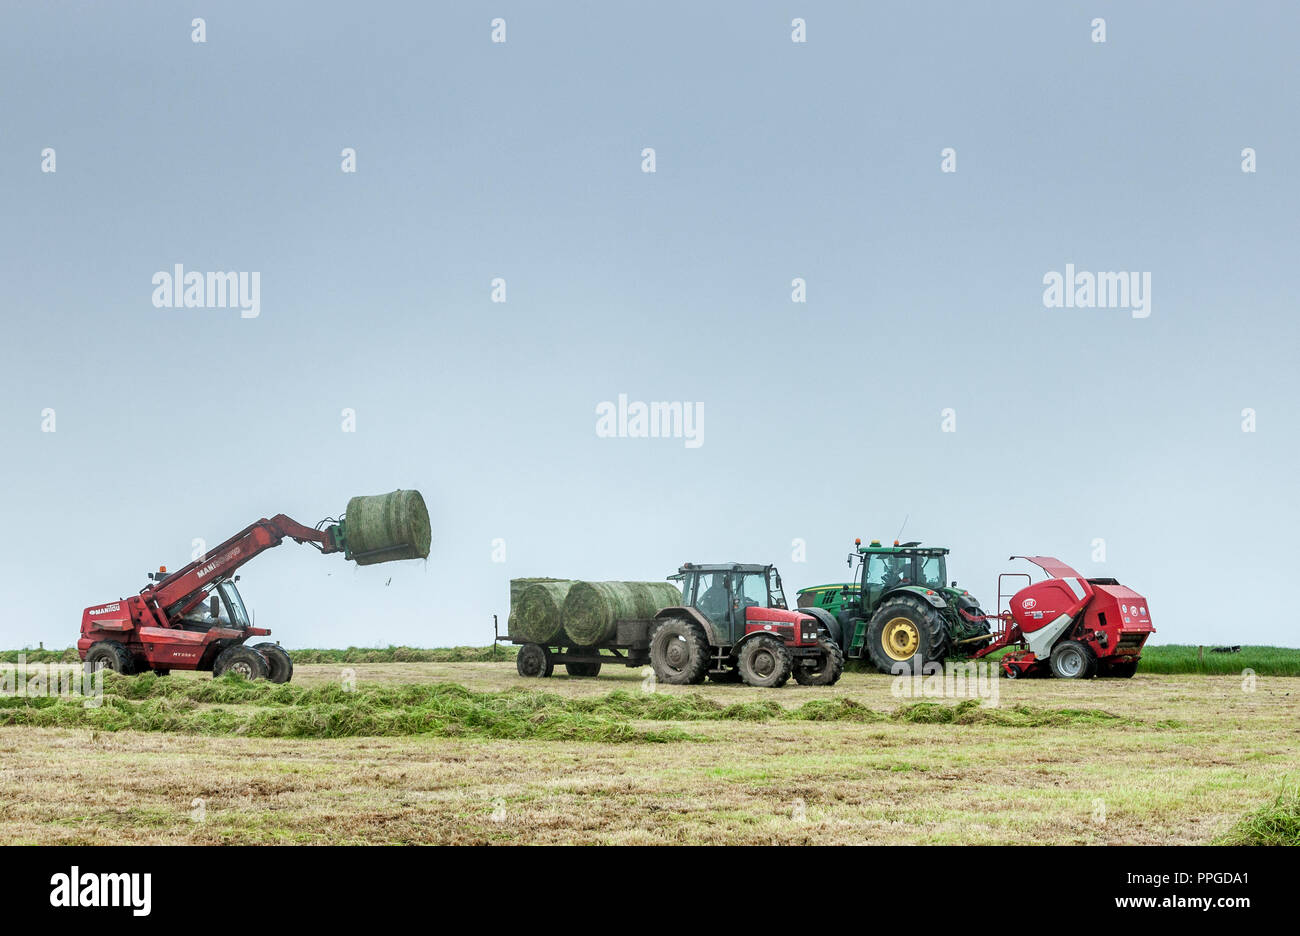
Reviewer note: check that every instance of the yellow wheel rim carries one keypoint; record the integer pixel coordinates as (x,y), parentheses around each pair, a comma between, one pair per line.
(900,638)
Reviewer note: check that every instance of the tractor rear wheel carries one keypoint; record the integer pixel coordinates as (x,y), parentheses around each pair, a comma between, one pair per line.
(278,660)
(113,655)
(765,662)
(245,661)
(906,633)
(679,653)
(1073,660)
(829,668)
(534,661)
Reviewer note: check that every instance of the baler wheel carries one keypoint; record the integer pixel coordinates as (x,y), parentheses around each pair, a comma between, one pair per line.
(246,661)
(1073,660)
(534,660)
(278,661)
(828,671)
(906,632)
(1123,670)
(765,662)
(679,653)
(113,655)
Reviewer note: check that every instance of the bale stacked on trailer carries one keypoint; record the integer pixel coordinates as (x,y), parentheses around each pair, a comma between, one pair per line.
(592,610)
(517,587)
(537,616)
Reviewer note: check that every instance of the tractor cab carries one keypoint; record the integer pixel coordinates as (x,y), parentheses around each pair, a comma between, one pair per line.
(732,594)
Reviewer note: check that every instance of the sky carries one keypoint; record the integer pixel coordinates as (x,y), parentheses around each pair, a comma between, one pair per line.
(922,381)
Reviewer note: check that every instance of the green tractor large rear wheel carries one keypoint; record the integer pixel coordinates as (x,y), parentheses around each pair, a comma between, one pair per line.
(906,633)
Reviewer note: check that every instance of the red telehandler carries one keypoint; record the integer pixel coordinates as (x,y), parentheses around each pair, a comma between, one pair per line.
(194,618)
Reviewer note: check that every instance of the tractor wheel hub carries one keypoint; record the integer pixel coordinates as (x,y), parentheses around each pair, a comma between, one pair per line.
(900,639)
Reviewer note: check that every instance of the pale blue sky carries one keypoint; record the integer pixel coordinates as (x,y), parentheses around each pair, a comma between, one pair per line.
(775,160)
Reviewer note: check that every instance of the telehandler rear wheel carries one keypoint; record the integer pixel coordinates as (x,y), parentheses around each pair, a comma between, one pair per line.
(679,652)
(246,661)
(278,661)
(112,655)
(1073,660)
(765,662)
(534,661)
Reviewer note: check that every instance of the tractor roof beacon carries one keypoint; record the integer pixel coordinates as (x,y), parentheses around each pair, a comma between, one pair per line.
(900,611)
(734,626)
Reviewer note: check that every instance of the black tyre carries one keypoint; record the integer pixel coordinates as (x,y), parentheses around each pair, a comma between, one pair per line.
(582,670)
(829,668)
(764,662)
(534,661)
(1073,660)
(906,633)
(244,660)
(727,677)
(162,672)
(679,653)
(278,659)
(113,655)
(1124,670)
(1011,672)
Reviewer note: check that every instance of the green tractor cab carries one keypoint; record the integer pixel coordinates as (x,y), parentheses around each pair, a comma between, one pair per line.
(900,612)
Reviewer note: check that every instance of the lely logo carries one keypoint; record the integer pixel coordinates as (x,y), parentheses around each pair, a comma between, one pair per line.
(1029,604)
(76,889)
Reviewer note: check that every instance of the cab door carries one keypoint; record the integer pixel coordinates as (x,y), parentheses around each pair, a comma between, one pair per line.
(713,599)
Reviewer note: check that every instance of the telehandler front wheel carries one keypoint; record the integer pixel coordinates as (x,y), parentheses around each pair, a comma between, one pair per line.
(278,661)
(245,661)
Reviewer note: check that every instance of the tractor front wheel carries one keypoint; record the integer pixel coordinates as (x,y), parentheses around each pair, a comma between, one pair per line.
(113,655)
(278,661)
(765,662)
(1073,660)
(245,661)
(534,661)
(828,669)
(679,653)
(905,634)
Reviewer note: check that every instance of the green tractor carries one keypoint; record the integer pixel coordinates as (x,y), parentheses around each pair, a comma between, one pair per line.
(900,612)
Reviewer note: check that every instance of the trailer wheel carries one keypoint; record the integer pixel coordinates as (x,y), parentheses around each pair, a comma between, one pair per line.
(246,661)
(583,670)
(905,634)
(679,653)
(765,662)
(534,661)
(277,660)
(113,655)
(1073,660)
(828,670)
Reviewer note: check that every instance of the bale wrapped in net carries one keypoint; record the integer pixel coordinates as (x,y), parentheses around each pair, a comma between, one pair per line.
(517,587)
(537,617)
(387,527)
(592,610)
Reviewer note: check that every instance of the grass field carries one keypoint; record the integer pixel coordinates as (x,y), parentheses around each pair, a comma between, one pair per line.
(470,752)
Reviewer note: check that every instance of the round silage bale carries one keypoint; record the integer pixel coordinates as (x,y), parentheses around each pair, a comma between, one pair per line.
(387,527)
(538,615)
(592,610)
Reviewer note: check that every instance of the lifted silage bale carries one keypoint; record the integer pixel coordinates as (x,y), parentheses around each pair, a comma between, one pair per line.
(592,610)
(387,527)
(538,617)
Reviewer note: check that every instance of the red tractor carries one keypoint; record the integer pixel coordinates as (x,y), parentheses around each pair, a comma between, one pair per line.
(734,626)
(1070,626)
